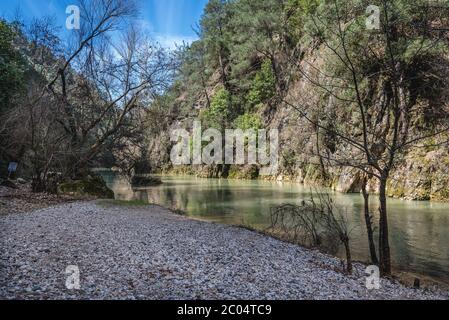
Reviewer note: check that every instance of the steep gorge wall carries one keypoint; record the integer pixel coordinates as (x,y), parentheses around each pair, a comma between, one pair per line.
(421,174)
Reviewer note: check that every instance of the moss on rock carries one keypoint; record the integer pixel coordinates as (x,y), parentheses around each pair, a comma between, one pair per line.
(248,172)
(92,185)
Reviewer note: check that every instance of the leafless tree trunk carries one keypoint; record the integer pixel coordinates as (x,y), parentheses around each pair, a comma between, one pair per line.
(369,223)
(384,244)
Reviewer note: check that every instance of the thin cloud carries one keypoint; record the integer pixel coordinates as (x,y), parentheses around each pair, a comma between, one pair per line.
(172,41)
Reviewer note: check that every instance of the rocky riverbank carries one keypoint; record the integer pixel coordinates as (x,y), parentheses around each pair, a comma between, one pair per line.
(150,253)
(20,199)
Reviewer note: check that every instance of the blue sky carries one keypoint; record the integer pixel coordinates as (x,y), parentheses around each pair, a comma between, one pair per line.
(167,21)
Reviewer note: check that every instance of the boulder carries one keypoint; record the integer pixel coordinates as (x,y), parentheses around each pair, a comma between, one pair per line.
(91,186)
(21,181)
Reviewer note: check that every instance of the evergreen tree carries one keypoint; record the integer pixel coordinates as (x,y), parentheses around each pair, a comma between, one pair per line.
(12,68)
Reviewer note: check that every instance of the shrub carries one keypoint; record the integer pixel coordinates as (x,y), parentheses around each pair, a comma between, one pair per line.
(263,86)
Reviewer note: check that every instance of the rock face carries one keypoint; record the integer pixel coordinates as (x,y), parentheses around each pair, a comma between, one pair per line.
(92,185)
(422,176)
(349,181)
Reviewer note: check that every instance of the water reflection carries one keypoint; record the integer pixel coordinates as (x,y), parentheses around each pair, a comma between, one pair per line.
(419,230)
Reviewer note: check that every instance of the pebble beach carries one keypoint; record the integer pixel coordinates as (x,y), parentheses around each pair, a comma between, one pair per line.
(150,253)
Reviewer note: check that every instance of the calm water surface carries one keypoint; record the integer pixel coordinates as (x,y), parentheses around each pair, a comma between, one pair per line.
(419,231)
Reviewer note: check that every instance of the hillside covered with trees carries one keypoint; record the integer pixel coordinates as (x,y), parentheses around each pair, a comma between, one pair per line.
(342,95)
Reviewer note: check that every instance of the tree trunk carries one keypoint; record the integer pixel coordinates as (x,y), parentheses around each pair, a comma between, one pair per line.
(224,78)
(384,246)
(348,257)
(318,150)
(369,224)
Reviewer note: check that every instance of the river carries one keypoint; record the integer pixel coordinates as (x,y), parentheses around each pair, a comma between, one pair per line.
(419,231)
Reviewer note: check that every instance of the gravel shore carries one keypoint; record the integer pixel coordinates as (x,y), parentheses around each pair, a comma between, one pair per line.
(22,199)
(150,253)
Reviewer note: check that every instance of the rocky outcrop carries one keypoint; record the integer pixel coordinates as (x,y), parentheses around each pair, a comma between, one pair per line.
(422,176)
(90,186)
(349,181)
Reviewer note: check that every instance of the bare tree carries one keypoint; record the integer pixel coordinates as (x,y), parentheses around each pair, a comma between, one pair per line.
(317,223)
(369,221)
(96,92)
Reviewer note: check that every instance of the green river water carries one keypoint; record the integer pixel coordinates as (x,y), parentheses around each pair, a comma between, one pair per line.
(419,231)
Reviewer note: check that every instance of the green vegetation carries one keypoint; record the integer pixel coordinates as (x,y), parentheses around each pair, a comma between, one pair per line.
(217,116)
(250,172)
(248,121)
(12,68)
(12,88)
(263,86)
(123,203)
